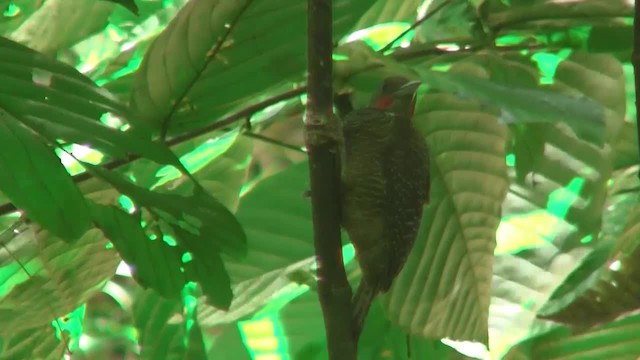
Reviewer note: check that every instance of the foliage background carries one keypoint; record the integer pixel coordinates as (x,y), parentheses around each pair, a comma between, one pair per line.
(554,192)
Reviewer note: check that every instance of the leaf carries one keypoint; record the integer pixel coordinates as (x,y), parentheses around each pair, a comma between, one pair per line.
(33,343)
(57,102)
(525,105)
(444,288)
(35,181)
(127,4)
(385,11)
(154,263)
(501,14)
(589,297)
(44,278)
(199,214)
(615,340)
(58,24)
(276,251)
(200,67)
(161,336)
(553,214)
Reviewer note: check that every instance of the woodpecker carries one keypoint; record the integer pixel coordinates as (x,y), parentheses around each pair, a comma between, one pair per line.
(385,184)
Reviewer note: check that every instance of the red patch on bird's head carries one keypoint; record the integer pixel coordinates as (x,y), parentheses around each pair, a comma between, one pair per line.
(384,102)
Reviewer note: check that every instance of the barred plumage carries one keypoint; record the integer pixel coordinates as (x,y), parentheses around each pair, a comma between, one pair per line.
(385,177)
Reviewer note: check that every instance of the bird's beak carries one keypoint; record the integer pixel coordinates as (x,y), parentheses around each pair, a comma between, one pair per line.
(409,88)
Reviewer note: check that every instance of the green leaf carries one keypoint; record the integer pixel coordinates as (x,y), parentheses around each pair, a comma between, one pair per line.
(444,288)
(57,102)
(553,214)
(154,263)
(616,340)
(199,214)
(44,278)
(276,251)
(35,181)
(161,336)
(603,288)
(127,4)
(201,66)
(33,343)
(57,24)
(526,105)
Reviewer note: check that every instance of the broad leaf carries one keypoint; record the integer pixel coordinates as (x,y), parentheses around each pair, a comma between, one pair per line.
(276,251)
(162,329)
(199,214)
(202,64)
(444,288)
(617,340)
(155,263)
(591,297)
(58,24)
(33,343)
(34,180)
(59,103)
(43,277)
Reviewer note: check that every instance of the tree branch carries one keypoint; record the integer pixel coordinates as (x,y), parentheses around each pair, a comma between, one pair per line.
(321,136)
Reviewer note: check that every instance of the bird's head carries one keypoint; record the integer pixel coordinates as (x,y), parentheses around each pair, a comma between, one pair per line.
(397,95)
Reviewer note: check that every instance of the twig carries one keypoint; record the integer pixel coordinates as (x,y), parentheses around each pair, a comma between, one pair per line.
(635,61)
(321,136)
(210,56)
(416,24)
(275,142)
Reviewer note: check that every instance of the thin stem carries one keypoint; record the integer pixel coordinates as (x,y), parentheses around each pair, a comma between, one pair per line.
(416,24)
(275,142)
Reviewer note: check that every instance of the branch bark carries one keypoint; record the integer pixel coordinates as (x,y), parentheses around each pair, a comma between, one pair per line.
(321,136)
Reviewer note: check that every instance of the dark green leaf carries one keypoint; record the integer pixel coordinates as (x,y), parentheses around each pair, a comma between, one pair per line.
(58,102)
(200,214)
(33,178)
(154,263)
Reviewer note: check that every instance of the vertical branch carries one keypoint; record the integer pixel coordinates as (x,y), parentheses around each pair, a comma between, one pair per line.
(635,61)
(321,136)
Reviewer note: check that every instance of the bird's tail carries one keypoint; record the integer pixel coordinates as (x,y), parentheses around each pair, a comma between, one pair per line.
(361,303)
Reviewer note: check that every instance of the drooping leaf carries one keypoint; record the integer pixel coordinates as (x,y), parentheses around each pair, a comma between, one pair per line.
(444,288)
(199,214)
(34,180)
(154,263)
(59,103)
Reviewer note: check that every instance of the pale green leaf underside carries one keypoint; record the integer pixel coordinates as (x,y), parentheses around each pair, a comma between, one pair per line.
(60,276)
(444,289)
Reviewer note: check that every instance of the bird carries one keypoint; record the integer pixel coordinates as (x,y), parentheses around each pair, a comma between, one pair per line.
(385,183)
